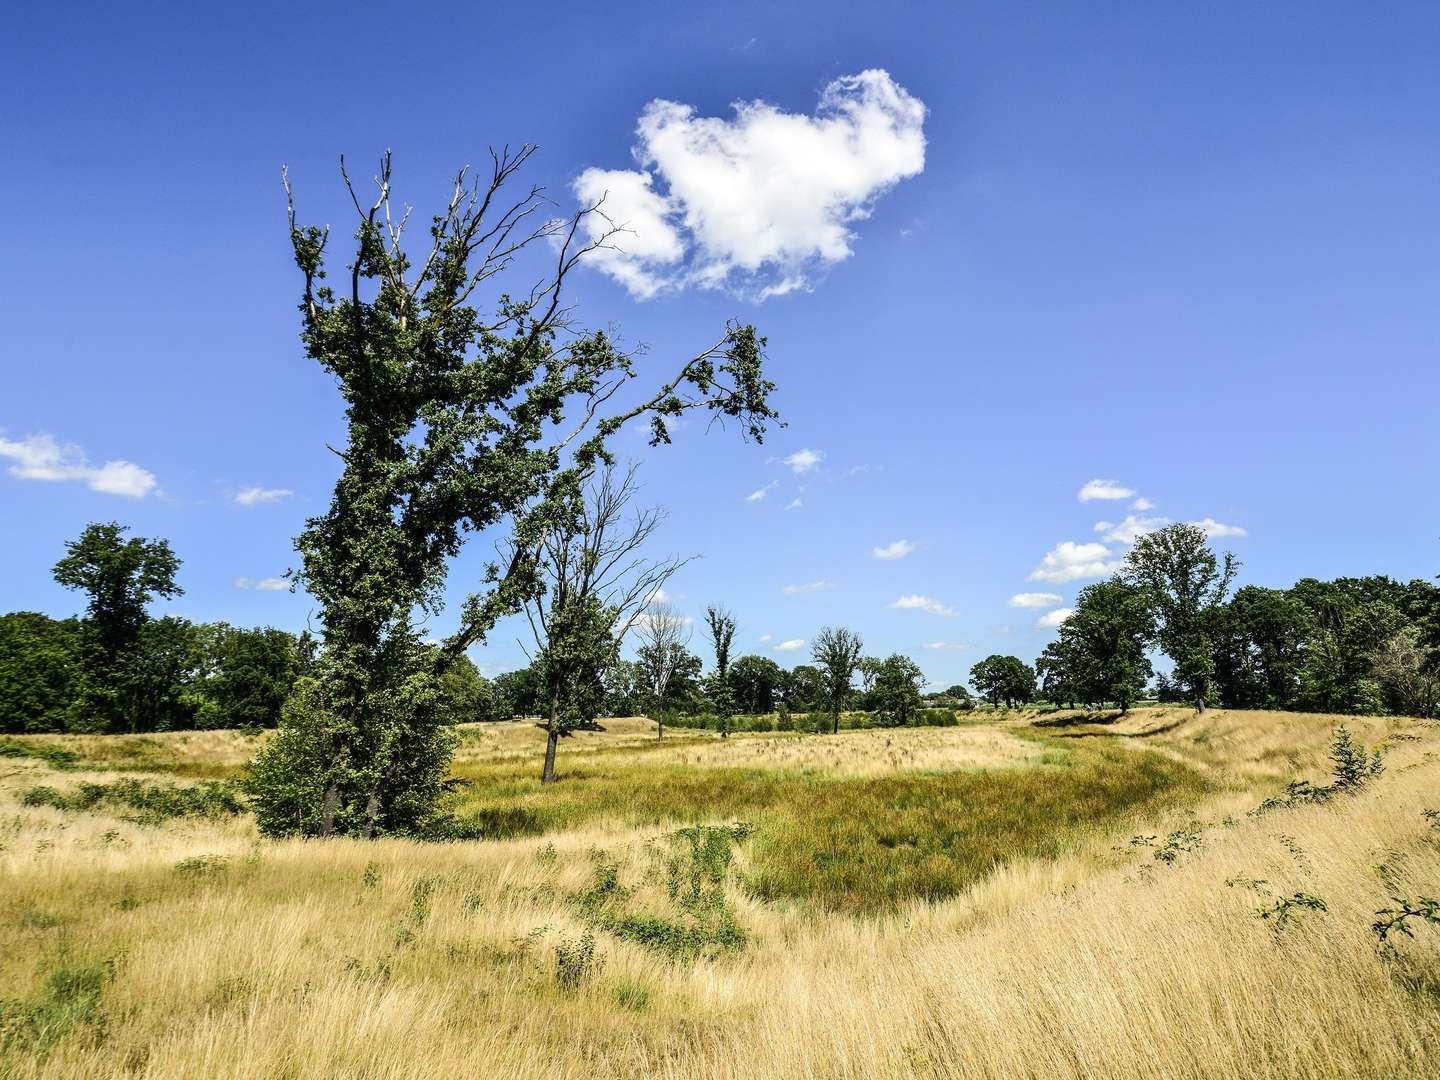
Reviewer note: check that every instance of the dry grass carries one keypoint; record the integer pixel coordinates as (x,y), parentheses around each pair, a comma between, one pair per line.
(400,960)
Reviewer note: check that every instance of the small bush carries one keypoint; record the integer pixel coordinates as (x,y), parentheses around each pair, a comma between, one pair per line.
(70,999)
(486,823)
(576,963)
(202,866)
(57,757)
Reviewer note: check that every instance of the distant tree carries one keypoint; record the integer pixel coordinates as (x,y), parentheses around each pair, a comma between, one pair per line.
(466,696)
(1183,583)
(1059,671)
(1259,641)
(757,682)
(517,693)
(664,637)
(720,627)
(469,406)
(120,577)
(154,676)
(837,654)
(803,688)
(39,672)
(1350,619)
(245,675)
(597,584)
(895,693)
(1006,679)
(626,691)
(1405,668)
(1105,642)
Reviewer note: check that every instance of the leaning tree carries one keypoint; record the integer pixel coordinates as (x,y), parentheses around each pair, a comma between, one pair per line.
(468,406)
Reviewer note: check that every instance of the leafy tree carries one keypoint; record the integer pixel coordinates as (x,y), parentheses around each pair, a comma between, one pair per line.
(120,577)
(1351,618)
(1104,642)
(466,695)
(246,675)
(804,688)
(757,682)
(720,627)
(837,654)
(1405,668)
(664,636)
(1005,679)
(626,692)
(1259,640)
(517,693)
(1059,671)
(1183,583)
(461,415)
(39,672)
(154,675)
(895,695)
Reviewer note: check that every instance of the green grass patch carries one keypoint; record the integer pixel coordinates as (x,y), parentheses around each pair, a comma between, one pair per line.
(146,802)
(57,757)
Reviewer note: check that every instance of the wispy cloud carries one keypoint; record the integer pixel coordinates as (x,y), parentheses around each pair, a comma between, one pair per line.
(269,584)
(810,586)
(1069,561)
(1131,529)
(766,637)
(1035,599)
(1141,504)
(1105,489)
(254,496)
(803,460)
(792,645)
(1051,619)
(40,457)
(760,493)
(757,204)
(1215,530)
(953,645)
(917,602)
(795,503)
(898,550)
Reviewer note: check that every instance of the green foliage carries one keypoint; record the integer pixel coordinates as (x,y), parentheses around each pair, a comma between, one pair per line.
(70,1000)
(577,962)
(39,671)
(1006,679)
(757,683)
(151,802)
(1352,768)
(837,655)
(1184,584)
(1099,655)
(1286,909)
(1396,920)
(895,692)
(57,757)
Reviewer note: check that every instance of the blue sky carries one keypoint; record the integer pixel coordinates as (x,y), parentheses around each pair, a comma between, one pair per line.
(1190,250)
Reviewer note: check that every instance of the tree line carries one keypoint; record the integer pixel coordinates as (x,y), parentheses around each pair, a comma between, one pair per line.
(1351,645)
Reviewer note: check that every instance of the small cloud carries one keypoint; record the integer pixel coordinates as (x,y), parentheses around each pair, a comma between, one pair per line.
(898,550)
(1131,529)
(864,470)
(760,493)
(1104,489)
(812,586)
(269,584)
(916,602)
(656,596)
(1142,503)
(802,461)
(1035,599)
(794,504)
(792,645)
(953,645)
(766,637)
(1070,561)
(1215,529)
(254,496)
(1051,619)
(40,457)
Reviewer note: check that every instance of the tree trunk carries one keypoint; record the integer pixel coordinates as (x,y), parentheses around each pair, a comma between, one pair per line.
(552,737)
(835,722)
(328,806)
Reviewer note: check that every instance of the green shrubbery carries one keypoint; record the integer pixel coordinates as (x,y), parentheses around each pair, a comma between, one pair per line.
(150,802)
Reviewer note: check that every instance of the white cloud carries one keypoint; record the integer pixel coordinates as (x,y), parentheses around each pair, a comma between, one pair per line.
(1142,503)
(1215,529)
(812,586)
(802,461)
(766,637)
(916,602)
(1035,599)
(757,203)
(254,496)
(794,504)
(1051,619)
(40,457)
(656,596)
(792,645)
(1104,489)
(864,469)
(642,619)
(1131,529)
(269,584)
(1070,561)
(898,550)
(948,645)
(760,493)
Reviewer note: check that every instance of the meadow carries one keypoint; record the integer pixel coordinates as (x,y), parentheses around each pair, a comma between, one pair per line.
(1028,893)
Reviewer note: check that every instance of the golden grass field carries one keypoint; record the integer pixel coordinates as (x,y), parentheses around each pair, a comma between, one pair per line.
(943,902)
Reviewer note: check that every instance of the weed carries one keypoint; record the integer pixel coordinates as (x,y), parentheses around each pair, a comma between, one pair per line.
(1396,920)
(631,995)
(69,1000)
(1288,908)
(57,757)
(203,866)
(153,802)
(577,962)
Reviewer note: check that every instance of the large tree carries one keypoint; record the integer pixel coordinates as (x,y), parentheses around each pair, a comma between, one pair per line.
(756,681)
(836,653)
(895,691)
(1105,639)
(1006,679)
(720,628)
(1184,584)
(39,672)
(120,577)
(468,407)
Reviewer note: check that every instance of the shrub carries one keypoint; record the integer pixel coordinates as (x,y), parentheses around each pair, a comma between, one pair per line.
(153,802)
(57,757)
(577,962)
